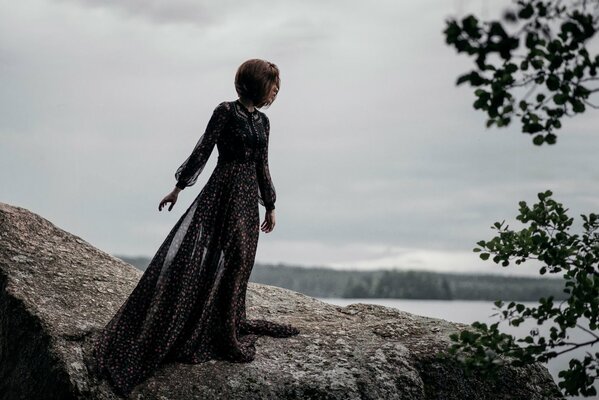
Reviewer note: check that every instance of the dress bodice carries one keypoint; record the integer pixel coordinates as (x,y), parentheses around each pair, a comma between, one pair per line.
(241,136)
(244,138)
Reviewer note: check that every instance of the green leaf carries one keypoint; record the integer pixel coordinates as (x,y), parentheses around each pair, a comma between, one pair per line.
(526,12)
(538,140)
(511,68)
(560,99)
(552,82)
(463,78)
(578,106)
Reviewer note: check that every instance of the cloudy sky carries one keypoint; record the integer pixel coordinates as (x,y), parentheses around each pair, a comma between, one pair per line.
(378,159)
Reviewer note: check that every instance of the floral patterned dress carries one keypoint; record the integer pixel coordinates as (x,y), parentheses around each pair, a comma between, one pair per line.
(189,305)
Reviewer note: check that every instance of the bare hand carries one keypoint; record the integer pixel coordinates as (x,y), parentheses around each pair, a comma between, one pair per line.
(269,222)
(169,198)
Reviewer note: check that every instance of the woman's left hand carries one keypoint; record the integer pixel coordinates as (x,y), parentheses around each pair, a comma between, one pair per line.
(269,222)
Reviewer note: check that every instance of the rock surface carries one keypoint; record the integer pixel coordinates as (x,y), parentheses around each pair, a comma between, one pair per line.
(57,291)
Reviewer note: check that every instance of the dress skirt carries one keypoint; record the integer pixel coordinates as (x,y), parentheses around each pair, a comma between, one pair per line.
(189,305)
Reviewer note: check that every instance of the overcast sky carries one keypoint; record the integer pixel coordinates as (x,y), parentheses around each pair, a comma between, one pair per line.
(378,159)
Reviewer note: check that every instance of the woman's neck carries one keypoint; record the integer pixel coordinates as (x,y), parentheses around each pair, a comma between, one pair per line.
(247,103)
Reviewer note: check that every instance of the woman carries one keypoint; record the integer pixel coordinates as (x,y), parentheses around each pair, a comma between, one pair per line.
(189,304)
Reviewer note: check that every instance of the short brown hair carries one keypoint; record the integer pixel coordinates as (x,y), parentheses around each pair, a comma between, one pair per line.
(254,79)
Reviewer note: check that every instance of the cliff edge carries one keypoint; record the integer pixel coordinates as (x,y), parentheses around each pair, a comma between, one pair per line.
(57,291)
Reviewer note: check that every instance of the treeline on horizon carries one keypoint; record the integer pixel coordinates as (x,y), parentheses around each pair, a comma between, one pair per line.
(399,284)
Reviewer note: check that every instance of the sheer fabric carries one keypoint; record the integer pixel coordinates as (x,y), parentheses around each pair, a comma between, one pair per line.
(187,174)
(268,195)
(189,305)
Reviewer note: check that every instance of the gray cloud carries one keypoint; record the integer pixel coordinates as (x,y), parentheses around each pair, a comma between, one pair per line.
(372,146)
(197,13)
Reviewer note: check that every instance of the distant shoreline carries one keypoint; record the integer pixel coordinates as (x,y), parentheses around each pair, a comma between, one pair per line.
(398,284)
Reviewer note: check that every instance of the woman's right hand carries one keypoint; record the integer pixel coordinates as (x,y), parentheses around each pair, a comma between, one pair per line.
(169,198)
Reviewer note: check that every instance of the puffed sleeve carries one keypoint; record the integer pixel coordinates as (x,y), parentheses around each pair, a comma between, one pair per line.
(187,174)
(268,195)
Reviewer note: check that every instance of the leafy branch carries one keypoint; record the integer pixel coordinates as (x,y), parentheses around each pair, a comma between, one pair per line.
(555,63)
(545,238)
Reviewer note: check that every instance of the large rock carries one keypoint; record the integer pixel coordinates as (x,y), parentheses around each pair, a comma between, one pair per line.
(57,291)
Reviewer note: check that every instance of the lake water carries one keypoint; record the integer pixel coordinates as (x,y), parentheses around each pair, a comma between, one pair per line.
(465,311)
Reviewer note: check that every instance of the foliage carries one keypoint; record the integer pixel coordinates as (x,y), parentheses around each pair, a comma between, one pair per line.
(554,63)
(547,240)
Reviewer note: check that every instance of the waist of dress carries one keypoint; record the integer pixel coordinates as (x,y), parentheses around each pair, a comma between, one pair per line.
(235,160)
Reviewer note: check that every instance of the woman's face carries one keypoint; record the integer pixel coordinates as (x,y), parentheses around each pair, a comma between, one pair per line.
(273,92)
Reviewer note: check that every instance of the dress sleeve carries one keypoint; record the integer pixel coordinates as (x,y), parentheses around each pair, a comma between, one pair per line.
(187,174)
(267,195)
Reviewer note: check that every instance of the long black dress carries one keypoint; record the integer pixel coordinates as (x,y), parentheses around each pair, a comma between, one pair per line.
(189,305)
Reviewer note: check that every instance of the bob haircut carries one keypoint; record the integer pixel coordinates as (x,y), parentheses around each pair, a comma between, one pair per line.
(254,80)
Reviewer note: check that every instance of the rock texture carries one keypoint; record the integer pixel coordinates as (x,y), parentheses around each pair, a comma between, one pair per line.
(57,291)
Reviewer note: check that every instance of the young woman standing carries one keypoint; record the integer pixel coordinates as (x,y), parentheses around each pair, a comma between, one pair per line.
(189,305)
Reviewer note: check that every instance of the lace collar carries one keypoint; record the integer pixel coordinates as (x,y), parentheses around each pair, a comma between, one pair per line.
(245,111)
